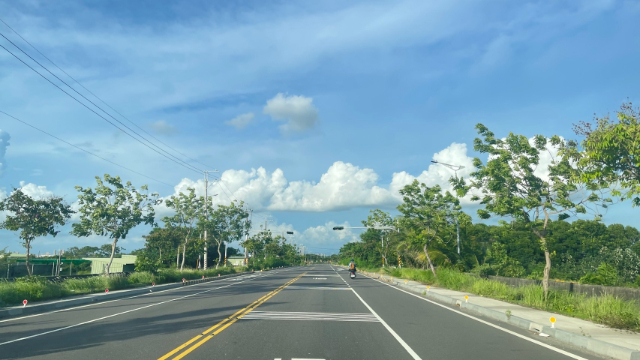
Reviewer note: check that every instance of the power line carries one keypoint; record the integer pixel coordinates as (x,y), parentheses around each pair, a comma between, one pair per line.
(179,162)
(86,151)
(96,96)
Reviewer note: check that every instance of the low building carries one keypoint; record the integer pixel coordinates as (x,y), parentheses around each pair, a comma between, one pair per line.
(235,260)
(126,263)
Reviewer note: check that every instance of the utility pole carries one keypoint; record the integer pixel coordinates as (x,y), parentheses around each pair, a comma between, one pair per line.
(206,211)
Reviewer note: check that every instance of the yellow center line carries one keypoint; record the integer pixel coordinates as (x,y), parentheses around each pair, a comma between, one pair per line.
(180,348)
(225,323)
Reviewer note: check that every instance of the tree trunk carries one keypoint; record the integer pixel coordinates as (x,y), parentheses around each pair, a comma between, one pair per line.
(160,258)
(178,258)
(219,256)
(113,252)
(184,252)
(426,253)
(27,262)
(547,270)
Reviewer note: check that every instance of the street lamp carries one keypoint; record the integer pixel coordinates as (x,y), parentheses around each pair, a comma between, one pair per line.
(393,228)
(455,169)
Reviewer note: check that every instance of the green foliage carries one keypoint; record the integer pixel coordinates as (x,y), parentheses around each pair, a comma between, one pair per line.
(188,209)
(612,152)
(226,224)
(33,218)
(605,275)
(36,288)
(511,185)
(607,310)
(426,215)
(112,209)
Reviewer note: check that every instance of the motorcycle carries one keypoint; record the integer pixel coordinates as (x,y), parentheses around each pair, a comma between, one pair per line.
(353,274)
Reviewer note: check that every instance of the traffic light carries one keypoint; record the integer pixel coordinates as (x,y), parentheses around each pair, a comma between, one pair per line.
(338,228)
(290,232)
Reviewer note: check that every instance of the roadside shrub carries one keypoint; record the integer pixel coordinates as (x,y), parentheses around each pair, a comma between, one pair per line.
(604,275)
(141,277)
(86,285)
(607,310)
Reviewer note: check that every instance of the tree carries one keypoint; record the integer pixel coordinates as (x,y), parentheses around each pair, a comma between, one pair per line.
(426,213)
(188,210)
(612,152)
(112,209)
(164,241)
(226,224)
(33,218)
(510,184)
(378,217)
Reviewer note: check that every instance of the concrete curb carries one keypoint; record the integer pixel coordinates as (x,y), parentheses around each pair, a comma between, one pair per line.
(37,308)
(598,347)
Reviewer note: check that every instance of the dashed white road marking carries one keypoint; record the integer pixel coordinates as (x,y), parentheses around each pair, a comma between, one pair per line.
(123,312)
(312,316)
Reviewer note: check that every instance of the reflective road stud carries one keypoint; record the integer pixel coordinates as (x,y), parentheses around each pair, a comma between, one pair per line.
(553,322)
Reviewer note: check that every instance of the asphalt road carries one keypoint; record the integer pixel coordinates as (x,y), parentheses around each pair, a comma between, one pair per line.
(313,312)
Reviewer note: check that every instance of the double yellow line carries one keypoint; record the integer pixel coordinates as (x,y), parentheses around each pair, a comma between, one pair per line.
(219,327)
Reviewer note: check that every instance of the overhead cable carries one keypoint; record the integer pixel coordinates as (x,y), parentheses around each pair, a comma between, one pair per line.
(96,96)
(86,151)
(179,162)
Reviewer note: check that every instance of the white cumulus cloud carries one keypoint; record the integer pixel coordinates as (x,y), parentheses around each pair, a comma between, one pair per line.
(298,112)
(343,186)
(241,121)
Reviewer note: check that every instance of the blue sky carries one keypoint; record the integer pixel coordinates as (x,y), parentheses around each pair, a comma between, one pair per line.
(341,102)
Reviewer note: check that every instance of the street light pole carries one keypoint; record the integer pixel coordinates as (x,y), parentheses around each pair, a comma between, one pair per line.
(455,169)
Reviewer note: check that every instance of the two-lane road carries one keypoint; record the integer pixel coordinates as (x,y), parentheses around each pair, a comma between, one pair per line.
(314,312)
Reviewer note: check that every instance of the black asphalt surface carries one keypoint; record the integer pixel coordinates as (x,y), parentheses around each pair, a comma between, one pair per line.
(321,315)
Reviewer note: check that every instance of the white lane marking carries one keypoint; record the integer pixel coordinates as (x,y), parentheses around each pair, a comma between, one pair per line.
(310,316)
(293,287)
(566,353)
(318,278)
(384,323)
(130,297)
(109,301)
(316,275)
(120,313)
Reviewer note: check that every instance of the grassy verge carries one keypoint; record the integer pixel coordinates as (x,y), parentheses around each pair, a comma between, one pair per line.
(39,289)
(606,310)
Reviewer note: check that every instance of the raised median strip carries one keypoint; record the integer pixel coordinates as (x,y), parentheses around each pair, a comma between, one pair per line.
(46,306)
(594,343)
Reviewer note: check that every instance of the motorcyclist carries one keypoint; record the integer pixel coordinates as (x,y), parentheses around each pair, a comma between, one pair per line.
(352,266)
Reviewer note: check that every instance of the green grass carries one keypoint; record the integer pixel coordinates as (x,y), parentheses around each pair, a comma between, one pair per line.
(607,310)
(40,289)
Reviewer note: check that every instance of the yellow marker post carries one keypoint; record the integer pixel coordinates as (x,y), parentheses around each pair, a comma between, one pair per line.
(405,281)
(428,287)
(466,298)
(553,322)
